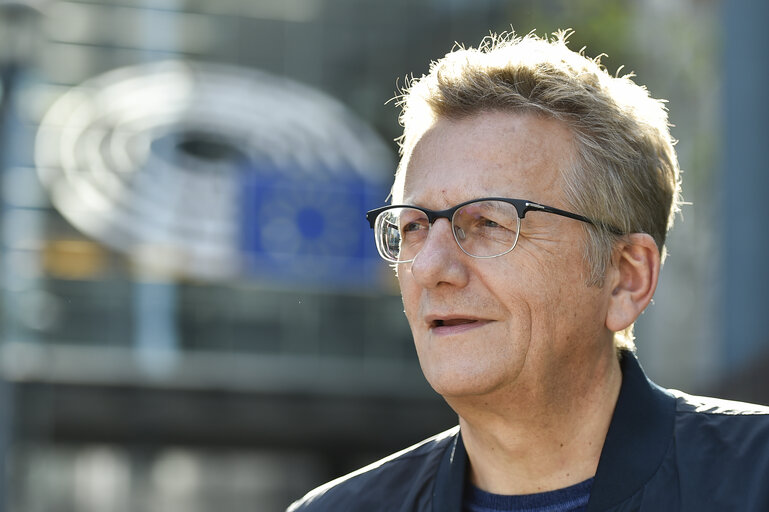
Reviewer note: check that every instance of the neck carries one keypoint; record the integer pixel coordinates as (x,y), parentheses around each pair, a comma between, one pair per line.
(521,441)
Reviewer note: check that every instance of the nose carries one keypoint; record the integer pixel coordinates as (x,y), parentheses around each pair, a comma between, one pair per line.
(440,260)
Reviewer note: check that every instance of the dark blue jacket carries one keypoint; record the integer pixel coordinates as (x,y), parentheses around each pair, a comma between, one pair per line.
(665,451)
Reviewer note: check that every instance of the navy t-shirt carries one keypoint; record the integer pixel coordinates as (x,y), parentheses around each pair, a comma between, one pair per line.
(568,499)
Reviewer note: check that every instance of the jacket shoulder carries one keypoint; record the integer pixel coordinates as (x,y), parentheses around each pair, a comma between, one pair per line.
(721,454)
(402,480)
(686,403)
(715,429)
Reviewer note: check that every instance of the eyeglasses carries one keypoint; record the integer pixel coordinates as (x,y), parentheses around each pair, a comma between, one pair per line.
(483,228)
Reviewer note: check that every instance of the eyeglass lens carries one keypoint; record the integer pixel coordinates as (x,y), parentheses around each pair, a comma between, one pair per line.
(482,229)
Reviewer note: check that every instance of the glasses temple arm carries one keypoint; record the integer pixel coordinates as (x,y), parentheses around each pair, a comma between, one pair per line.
(557,211)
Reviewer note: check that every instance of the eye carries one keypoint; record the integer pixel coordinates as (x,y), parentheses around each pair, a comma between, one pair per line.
(487,223)
(412,221)
(485,220)
(412,226)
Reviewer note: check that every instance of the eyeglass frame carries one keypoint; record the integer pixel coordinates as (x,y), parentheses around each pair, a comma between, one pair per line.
(522,207)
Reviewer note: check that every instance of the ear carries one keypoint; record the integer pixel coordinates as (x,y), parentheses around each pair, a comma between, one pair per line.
(634,275)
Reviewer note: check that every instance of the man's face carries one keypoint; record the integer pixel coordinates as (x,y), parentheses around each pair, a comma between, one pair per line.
(525,319)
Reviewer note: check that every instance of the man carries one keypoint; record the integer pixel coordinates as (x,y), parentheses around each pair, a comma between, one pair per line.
(532,202)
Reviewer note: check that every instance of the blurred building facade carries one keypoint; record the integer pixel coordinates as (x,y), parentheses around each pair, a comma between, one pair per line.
(193,315)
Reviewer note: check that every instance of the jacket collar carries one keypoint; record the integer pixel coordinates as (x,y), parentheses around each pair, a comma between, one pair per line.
(639,434)
(450,479)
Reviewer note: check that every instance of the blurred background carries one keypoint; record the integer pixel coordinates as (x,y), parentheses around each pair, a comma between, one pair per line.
(192,313)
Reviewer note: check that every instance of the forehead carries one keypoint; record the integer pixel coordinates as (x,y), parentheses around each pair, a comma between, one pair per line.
(487,154)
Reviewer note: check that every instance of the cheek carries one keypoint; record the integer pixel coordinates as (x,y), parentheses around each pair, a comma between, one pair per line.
(565,308)
(510,292)
(532,295)
(517,282)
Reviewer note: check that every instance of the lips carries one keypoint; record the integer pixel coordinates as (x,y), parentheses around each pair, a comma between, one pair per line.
(452,322)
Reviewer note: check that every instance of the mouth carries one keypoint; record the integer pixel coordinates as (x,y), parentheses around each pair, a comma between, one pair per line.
(452,322)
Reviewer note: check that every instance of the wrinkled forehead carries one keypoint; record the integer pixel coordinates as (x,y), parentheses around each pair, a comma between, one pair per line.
(487,154)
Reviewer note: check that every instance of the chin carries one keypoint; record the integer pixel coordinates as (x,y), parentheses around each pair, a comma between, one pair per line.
(455,371)
(458,384)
